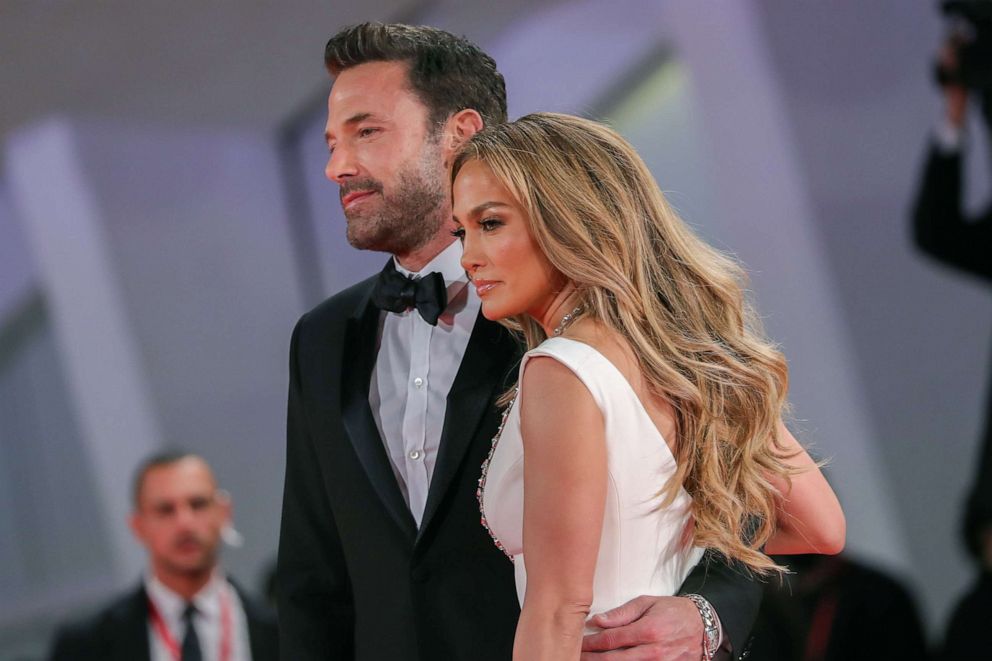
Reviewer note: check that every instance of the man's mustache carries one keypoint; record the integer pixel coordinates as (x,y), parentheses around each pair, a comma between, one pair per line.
(359,185)
(188,538)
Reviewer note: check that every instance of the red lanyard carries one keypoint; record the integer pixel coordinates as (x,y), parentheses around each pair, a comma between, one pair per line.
(170,643)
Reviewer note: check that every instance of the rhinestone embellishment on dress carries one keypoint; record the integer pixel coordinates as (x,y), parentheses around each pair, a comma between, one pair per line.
(485,469)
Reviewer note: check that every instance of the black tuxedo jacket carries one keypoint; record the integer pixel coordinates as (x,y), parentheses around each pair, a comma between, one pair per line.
(119,632)
(356,578)
(939,225)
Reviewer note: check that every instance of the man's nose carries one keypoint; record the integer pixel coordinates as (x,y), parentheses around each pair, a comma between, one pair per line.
(341,165)
(185,515)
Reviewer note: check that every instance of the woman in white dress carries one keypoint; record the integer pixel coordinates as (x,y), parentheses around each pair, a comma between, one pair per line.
(648,427)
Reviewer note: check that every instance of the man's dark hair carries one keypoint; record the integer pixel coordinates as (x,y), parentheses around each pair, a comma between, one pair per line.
(156,461)
(448,73)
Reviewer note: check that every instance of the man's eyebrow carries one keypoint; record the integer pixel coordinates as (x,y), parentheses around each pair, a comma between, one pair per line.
(351,121)
(359,117)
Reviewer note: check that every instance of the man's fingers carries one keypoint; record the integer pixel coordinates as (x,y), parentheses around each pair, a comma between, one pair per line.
(613,639)
(646,653)
(622,615)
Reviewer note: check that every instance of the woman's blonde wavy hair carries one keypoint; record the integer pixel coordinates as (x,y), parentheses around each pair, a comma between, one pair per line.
(599,217)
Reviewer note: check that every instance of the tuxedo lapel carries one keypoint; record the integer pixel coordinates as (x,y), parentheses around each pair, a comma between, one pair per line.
(357,363)
(484,369)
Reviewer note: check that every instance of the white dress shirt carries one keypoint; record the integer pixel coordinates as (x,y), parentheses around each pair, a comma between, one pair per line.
(207,619)
(414,370)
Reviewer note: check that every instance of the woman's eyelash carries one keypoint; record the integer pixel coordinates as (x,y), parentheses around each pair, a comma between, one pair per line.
(487,224)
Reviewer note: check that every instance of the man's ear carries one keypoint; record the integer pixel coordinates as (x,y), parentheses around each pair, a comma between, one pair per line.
(459,128)
(135,522)
(223,499)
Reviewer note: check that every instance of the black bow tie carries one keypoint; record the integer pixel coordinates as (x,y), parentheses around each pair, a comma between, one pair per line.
(395,292)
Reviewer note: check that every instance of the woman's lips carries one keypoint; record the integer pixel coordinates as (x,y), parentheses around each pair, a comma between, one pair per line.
(483,287)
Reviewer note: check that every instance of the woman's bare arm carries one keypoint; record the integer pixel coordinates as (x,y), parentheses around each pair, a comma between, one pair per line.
(810,519)
(565,480)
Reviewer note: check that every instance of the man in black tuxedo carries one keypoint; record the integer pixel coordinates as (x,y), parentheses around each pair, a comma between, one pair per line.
(392,397)
(185,608)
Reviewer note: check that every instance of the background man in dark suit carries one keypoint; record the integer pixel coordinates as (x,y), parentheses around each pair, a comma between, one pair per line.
(393,389)
(185,609)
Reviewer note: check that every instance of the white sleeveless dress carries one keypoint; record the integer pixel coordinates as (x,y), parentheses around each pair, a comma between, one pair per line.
(642,549)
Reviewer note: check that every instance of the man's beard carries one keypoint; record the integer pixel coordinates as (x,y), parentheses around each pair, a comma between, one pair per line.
(408,218)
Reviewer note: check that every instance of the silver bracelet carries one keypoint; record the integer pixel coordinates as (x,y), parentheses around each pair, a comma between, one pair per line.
(711,631)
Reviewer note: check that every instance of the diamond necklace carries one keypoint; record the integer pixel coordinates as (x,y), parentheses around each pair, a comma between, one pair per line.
(566,320)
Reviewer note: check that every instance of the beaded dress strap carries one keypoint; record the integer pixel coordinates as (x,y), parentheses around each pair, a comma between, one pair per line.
(480,491)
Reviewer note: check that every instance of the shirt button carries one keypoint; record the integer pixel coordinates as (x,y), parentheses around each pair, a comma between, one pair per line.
(415,454)
(418,382)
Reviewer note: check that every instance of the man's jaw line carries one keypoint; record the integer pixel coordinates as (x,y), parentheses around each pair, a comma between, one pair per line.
(185,582)
(415,260)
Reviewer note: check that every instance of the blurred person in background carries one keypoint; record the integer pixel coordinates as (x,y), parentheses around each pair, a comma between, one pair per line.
(945,232)
(833,608)
(941,227)
(185,607)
